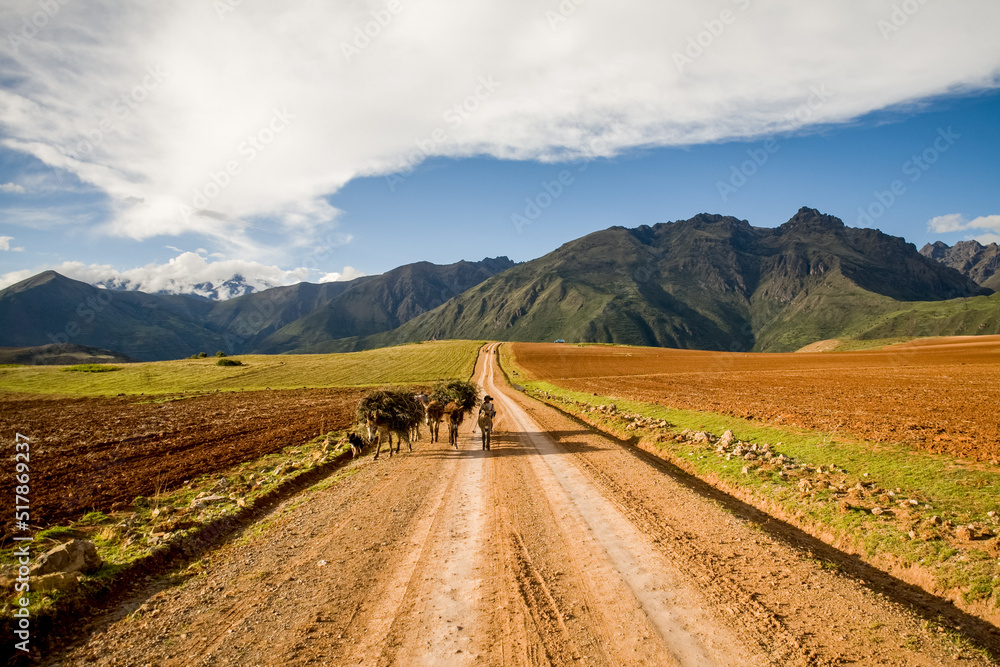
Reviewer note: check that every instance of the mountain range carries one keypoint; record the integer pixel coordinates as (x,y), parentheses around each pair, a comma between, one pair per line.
(715,282)
(52,309)
(977,261)
(710,282)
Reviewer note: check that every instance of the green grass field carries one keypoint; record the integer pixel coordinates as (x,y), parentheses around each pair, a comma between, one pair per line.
(420,363)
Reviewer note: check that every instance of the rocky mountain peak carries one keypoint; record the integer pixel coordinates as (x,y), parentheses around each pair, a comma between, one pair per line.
(810,218)
(979,262)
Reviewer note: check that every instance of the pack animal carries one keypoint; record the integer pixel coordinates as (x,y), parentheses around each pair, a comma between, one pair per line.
(455,417)
(434,413)
(424,401)
(380,429)
(486,427)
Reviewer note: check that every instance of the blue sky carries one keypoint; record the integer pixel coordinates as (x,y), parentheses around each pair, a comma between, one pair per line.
(176,143)
(471,204)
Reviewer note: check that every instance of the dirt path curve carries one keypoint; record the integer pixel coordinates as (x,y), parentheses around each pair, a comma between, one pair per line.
(556,547)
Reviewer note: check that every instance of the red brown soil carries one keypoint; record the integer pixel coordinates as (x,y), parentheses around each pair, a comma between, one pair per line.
(937,395)
(98,452)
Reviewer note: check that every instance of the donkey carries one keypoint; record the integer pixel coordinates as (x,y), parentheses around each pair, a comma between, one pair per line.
(424,401)
(486,426)
(380,428)
(434,413)
(455,417)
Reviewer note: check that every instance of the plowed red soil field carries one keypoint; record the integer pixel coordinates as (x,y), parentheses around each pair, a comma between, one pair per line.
(92,453)
(939,395)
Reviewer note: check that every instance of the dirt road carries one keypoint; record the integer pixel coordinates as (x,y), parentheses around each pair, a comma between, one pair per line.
(556,547)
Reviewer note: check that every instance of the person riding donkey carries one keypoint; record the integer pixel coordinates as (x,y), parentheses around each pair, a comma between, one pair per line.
(487,413)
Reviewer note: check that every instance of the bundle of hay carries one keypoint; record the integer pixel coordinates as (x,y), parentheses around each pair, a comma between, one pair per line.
(465,395)
(400,409)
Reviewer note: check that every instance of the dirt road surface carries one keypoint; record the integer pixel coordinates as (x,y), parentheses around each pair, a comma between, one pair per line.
(557,546)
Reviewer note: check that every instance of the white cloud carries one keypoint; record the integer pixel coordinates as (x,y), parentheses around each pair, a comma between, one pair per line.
(956,222)
(349,273)
(188,273)
(943,224)
(987,239)
(12,187)
(5,244)
(986,222)
(252,118)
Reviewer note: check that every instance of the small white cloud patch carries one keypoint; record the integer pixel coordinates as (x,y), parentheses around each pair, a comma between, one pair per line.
(5,244)
(956,222)
(349,273)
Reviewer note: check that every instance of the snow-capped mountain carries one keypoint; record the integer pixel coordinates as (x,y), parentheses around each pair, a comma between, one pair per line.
(216,290)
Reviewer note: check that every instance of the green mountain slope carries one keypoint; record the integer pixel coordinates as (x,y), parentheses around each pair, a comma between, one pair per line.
(711,282)
(50,308)
(379,303)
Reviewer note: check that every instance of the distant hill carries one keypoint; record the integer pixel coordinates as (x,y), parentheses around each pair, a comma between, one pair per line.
(973,259)
(299,316)
(711,282)
(54,354)
(52,309)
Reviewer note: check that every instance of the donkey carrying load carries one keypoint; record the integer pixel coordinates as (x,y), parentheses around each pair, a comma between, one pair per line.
(458,398)
(388,411)
(435,413)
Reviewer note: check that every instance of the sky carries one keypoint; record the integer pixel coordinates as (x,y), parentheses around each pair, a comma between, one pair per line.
(164,144)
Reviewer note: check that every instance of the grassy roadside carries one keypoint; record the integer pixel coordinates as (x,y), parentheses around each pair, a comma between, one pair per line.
(929,519)
(418,363)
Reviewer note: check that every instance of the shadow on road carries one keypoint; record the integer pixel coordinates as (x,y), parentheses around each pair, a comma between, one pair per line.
(505,443)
